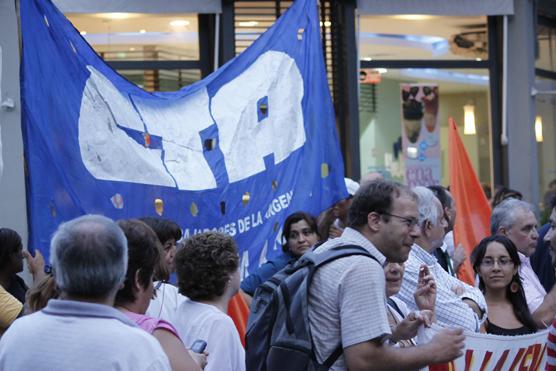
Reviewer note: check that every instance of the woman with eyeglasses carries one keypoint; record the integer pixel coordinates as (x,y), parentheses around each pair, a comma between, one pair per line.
(496,262)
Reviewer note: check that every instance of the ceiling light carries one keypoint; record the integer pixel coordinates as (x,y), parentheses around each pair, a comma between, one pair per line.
(117,15)
(179,23)
(327,23)
(368,59)
(469,120)
(413,17)
(538,129)
(478,59)
(143,31)
(248,23)
(83,33)
(381,70)
(131,49)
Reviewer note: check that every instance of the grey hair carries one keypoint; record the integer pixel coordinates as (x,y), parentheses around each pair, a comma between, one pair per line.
(505,213)
(428,209)
(89,256)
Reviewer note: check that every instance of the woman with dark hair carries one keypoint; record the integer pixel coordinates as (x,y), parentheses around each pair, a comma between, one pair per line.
(496,262)
(133,299)
(11,263)
(208,274)
(300,234)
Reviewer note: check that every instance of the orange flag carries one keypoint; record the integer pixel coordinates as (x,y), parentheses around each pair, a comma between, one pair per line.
(239,311)
(473,209)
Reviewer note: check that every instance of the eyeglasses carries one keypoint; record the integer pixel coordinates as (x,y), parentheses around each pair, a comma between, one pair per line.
(502,262)
(411,222)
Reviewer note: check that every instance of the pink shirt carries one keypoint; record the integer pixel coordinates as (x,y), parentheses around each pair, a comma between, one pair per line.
(534,290)
(150,324)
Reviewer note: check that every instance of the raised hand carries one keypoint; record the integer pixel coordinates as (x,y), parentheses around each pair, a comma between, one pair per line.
(425,294)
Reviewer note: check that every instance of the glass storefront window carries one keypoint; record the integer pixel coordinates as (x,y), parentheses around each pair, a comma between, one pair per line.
(138,36)
(419,37)
(381,118)
(545,123)
(546,39)
(161,80)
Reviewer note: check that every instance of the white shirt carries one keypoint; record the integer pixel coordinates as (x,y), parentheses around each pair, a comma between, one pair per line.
(71,335)
(450,310)
(166,302)
(195,320)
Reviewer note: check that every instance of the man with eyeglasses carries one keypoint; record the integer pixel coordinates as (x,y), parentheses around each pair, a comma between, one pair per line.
(457,304)
(346,301)
(516,220)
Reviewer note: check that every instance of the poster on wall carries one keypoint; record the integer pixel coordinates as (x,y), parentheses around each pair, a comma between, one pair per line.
(420,134)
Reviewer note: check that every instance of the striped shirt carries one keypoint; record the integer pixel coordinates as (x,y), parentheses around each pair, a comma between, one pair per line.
(450,310)
(347,299)
(534,290)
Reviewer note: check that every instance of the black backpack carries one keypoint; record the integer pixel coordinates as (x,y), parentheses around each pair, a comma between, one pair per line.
(278,335)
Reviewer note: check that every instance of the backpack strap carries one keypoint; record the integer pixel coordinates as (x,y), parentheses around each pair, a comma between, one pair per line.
(337,252)
(394,305)
(332,358)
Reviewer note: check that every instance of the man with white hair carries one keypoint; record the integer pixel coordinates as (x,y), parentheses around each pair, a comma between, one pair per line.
(82,330)
(516,220)
(457,304)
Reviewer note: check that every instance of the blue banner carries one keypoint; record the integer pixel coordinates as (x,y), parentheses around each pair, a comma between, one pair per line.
(236,152)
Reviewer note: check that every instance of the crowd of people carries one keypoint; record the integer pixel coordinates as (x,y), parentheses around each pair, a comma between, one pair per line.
(132,295)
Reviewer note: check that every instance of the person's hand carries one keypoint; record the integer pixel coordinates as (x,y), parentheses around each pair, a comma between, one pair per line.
(199,358)
(446,345)
(334,232)
(458,290)
(425,294)
(35,264)
(407,328)
(459,257)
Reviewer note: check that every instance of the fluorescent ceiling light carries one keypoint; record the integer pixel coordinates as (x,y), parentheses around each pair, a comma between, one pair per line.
(413,17)
(248,23)
(444,75)
(83,33)
(179,23)
(117,15)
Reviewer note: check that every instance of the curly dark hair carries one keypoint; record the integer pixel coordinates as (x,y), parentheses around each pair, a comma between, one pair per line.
(143,249)
(10,243)
(204,265)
